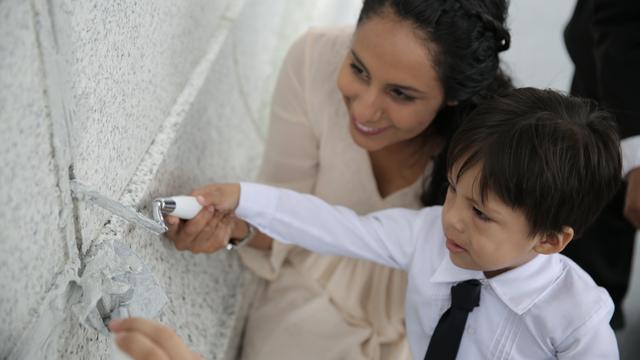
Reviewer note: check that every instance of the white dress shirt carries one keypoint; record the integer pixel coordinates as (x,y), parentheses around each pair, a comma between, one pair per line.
(545,309)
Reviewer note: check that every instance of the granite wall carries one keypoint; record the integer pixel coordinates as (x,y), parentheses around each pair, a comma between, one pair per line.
(135,99)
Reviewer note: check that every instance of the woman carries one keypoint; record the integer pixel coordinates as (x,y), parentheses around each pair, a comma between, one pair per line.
(405,77)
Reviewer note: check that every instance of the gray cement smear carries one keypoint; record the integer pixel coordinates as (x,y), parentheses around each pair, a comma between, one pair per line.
(112,277)
(39,341)
(114,282)
(116,279)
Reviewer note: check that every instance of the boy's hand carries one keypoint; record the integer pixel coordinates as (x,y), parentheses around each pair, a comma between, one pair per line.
(632,200)
(143,339)
(220,196)
(213,227)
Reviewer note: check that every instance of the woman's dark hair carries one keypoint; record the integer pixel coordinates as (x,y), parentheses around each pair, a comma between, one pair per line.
(555,157)
(464,38)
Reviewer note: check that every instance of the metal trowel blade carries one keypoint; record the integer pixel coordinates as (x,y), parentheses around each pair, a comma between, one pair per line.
(82,192)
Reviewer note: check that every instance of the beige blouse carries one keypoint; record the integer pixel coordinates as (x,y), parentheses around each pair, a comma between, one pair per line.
(316,306)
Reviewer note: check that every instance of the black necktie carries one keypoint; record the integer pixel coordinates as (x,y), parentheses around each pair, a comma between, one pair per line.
(446,337)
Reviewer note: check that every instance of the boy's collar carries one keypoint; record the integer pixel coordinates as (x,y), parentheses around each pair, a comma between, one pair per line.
(449,272)
(519,288)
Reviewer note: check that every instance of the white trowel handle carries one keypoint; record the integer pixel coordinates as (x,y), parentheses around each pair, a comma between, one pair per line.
(184,207)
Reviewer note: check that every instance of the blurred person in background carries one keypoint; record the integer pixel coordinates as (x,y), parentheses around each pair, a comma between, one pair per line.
(603,41)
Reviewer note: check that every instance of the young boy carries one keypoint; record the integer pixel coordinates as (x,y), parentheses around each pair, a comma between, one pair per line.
(527,172)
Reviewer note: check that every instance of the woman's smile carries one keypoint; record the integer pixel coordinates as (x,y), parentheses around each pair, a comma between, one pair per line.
(366,130)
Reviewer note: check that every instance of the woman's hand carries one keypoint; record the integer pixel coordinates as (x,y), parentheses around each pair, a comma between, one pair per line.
(143,339)
(208,232)
(632,200)
(214,225)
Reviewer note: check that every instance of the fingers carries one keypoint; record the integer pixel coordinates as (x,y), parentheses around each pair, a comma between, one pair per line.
(190,229)
(201,234)
(221,196)
(219,237)
(211,238)
(225,229)
(139,347)
(173,226)
(206,233)
(209,195)
(145,339)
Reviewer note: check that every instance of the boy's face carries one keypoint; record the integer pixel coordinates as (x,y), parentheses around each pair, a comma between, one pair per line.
(490,236)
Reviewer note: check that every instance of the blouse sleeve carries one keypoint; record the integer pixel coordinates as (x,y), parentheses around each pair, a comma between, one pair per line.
(290,159)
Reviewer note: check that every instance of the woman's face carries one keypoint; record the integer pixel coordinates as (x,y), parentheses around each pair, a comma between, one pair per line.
(388,83)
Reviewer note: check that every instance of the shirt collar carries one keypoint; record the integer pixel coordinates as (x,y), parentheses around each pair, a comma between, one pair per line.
(449,272)
(519,288)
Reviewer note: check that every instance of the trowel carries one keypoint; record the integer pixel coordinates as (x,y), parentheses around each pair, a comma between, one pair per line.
(115,282)
(184,207)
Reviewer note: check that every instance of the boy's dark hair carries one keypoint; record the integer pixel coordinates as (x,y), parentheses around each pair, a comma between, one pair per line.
(555,157)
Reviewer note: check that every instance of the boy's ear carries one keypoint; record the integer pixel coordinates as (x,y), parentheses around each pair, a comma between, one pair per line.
(554,242)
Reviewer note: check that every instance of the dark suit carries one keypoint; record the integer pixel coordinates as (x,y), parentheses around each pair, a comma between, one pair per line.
(603,40)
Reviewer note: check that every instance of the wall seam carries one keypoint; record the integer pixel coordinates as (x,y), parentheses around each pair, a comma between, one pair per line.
(37,338)
(59,135)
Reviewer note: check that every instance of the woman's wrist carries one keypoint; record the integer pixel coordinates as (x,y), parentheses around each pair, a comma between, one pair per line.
(258,241)
(240,229)
(236,243)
